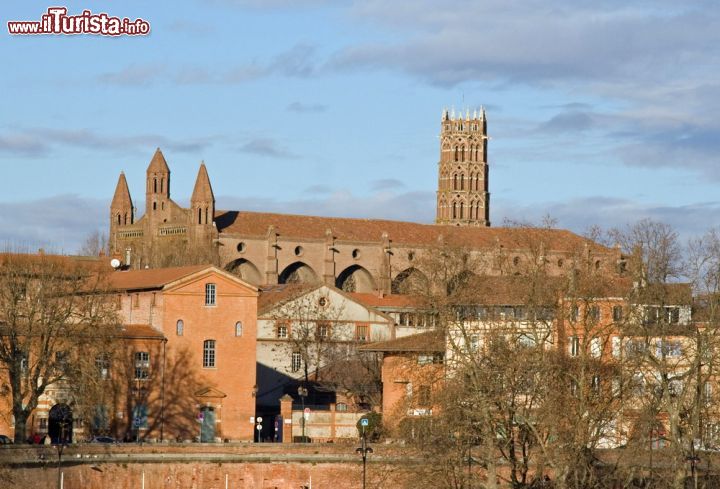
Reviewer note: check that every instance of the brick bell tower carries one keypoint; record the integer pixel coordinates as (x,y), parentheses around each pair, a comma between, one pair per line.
(462,196)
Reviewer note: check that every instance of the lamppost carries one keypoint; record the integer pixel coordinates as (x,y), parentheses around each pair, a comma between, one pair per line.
(363,450)
(62,443)
(303,392)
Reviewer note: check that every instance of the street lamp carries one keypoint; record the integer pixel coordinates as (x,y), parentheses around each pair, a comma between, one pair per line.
(363,450)
(303,392)
(62,443)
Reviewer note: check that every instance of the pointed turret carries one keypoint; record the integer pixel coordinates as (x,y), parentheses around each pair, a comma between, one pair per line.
(121,208)
(202,201)
(158,163)
(203,190)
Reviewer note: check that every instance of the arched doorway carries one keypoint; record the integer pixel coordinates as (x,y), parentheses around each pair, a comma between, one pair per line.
(245,270)
(410,281)
(298,273)
(355,279)
(207,428)
(60,424)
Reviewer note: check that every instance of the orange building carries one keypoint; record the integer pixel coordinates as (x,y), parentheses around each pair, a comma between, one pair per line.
(191,345)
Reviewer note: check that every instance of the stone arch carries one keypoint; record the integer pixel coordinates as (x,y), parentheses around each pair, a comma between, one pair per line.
(410,281)
(355,279)
(298,273)
(245,270)
(60,424)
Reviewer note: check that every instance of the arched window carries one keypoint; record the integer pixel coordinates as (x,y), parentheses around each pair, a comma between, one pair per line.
(155,185)
(462,153)
(206,216)
(125,219)
(119,219)
(179,327)
(238,328)
(454,210)
(455,182)
(209,354)
(199,215)
(462,210)
(462,181)
(154,205)
(456,153)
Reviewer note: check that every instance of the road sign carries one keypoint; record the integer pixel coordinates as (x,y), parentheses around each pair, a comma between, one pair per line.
(200,417)
(306,414)
(364,422)
(259,419)
(137,422)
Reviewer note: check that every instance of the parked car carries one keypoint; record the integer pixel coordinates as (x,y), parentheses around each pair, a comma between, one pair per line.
(5,440)
(103,439)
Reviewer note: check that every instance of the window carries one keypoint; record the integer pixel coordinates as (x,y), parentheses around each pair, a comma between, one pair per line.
(617,313)
(574,346)
(102,365)
(341,407)
(23,363)
(616,346)
(594,313)
(136,302)
(474,342)
(179,327)
(323,330)
(238,328)
(596,347)
(209,354)
(209,294)
(281,331)
(596,383)
(429,358)
(362,332)
(574,313)
(295,361)
(142,365)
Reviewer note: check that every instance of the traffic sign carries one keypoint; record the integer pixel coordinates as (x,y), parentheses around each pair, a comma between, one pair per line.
(259,419)
(364,422)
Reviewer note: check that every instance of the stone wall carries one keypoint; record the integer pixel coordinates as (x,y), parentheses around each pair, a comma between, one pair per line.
(202,466)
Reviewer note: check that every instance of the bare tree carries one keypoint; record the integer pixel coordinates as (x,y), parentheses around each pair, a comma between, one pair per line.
(95,244)
(54,322)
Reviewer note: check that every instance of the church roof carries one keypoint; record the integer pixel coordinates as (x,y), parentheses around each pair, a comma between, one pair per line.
(122,194)
(203,190)
(399,232)
(158,163)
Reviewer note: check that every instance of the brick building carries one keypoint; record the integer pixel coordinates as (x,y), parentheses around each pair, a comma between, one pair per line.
(355,255)
(191,345)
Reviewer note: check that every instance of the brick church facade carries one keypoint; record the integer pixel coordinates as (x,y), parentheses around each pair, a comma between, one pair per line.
(355,255)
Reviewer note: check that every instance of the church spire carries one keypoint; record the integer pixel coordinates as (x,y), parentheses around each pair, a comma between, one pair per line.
(158,163)
(203,190)
(202,201)
(121,208)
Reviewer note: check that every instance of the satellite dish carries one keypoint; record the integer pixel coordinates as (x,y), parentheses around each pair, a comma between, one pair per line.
(115,263)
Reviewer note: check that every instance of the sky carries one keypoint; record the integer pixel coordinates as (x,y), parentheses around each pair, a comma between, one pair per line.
(599,113)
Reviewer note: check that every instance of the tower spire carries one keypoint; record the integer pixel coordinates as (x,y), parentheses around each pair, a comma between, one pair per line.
(203,190)
(202,201)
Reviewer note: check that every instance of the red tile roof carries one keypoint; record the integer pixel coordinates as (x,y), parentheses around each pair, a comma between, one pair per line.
(273,295)
(352,229)
(141,331)
(154,278)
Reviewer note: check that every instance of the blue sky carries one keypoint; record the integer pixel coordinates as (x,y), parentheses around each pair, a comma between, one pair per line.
(600,113)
